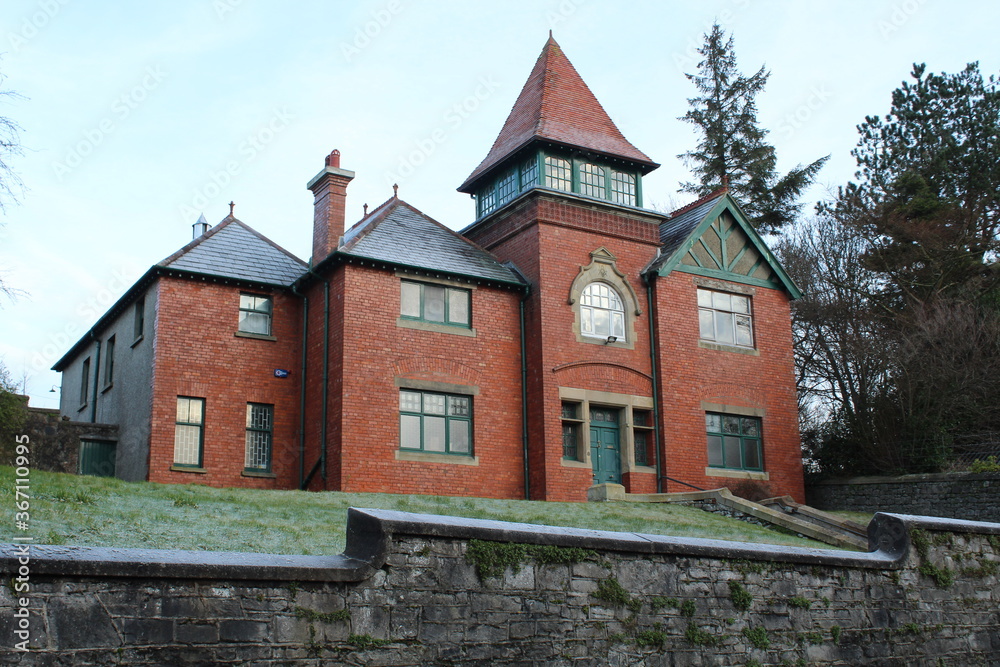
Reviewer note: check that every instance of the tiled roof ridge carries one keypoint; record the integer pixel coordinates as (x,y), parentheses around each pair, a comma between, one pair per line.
(698,202)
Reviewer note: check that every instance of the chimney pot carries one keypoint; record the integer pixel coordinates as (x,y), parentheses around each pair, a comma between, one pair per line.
(333,159)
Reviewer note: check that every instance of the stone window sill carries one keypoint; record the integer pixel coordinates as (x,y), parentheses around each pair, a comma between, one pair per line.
(706,345)
(429,457)
(259,473)
(136,341)
(244,334)
(404,323)
(176,468)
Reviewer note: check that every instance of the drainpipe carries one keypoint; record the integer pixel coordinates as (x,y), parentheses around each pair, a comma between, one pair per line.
(326,377)
(524,403)
(97,373)
(656,385)
(302,384)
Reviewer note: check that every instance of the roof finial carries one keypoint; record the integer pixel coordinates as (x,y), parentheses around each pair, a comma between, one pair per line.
(232,204)
(395,190)
(366,210)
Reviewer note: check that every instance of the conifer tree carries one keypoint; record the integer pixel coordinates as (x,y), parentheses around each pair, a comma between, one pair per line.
(733,149)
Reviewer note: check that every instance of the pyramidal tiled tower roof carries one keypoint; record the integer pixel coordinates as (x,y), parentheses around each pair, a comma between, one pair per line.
(556,105)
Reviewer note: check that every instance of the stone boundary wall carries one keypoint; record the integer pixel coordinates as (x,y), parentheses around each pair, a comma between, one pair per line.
(55,442)
(971,496)
(430,590)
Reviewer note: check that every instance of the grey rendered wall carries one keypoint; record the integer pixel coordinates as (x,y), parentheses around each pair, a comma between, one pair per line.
(127,400)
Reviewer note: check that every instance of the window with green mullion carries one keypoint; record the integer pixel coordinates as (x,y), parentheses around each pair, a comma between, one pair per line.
(435,303)
(435,423)
(734,442)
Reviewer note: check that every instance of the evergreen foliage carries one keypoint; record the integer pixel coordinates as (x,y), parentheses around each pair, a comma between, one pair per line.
(733,150)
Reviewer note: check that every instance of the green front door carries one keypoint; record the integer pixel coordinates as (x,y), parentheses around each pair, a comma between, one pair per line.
(605,448)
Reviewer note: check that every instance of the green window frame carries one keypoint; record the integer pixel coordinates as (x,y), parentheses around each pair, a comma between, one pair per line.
(529,172)
(437,304)
(506,187)
(558,173)
(734,441)
(725,318)
(592,181)
(435,423)
(109,362)
(139,321)
(623,188)
(572,428)
(256,312)
(259,437)
(85,382)
(189,432)
(642,436)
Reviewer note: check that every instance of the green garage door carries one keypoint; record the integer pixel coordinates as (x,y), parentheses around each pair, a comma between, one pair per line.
(97,457)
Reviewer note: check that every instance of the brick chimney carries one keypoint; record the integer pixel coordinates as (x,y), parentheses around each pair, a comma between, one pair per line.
(329,188)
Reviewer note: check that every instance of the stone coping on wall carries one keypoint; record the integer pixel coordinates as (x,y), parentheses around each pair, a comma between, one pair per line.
(369,532)
(910,479)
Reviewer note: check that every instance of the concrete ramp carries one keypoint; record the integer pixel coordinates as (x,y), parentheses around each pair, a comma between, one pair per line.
(782,511)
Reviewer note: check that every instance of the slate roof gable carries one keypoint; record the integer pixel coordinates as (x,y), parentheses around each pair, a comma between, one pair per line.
(397,233)
(233,250)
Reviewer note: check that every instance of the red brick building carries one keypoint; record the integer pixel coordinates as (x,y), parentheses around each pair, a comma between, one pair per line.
(567,336)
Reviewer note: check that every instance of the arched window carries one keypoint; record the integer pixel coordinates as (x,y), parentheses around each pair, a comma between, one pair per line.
(601,312)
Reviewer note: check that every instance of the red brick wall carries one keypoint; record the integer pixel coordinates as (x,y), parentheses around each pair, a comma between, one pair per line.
(550,239)
(691,374)
(376,351)
(198,355)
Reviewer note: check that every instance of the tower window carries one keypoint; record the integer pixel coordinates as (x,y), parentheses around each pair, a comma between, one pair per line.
(592,181)
(601,312)
(506,187)
(529,173)
(623,188)
(558,174)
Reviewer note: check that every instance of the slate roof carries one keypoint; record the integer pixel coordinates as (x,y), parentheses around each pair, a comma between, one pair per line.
(555,104)
(397,233)
(231,249)
(682,222)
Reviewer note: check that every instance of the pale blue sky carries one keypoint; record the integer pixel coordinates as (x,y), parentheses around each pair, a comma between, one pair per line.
(137,117)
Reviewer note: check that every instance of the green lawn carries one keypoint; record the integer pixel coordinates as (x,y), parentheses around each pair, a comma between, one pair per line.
(95,511)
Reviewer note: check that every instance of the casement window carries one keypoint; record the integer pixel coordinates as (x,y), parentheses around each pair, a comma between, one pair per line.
(139,319)
(435,303)
(189,432)
(572,428)
(255,314)
(623,188)
(592,180)
(85,382)
(109,362)
(642,437)
(558,174)
(602,314)
(734,442)
(259,436)
(529,173)
(433,422)
(725,318)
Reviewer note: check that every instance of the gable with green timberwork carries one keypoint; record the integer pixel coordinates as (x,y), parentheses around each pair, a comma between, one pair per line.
(723,245)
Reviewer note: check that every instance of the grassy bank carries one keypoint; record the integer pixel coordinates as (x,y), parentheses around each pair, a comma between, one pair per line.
(97,511)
